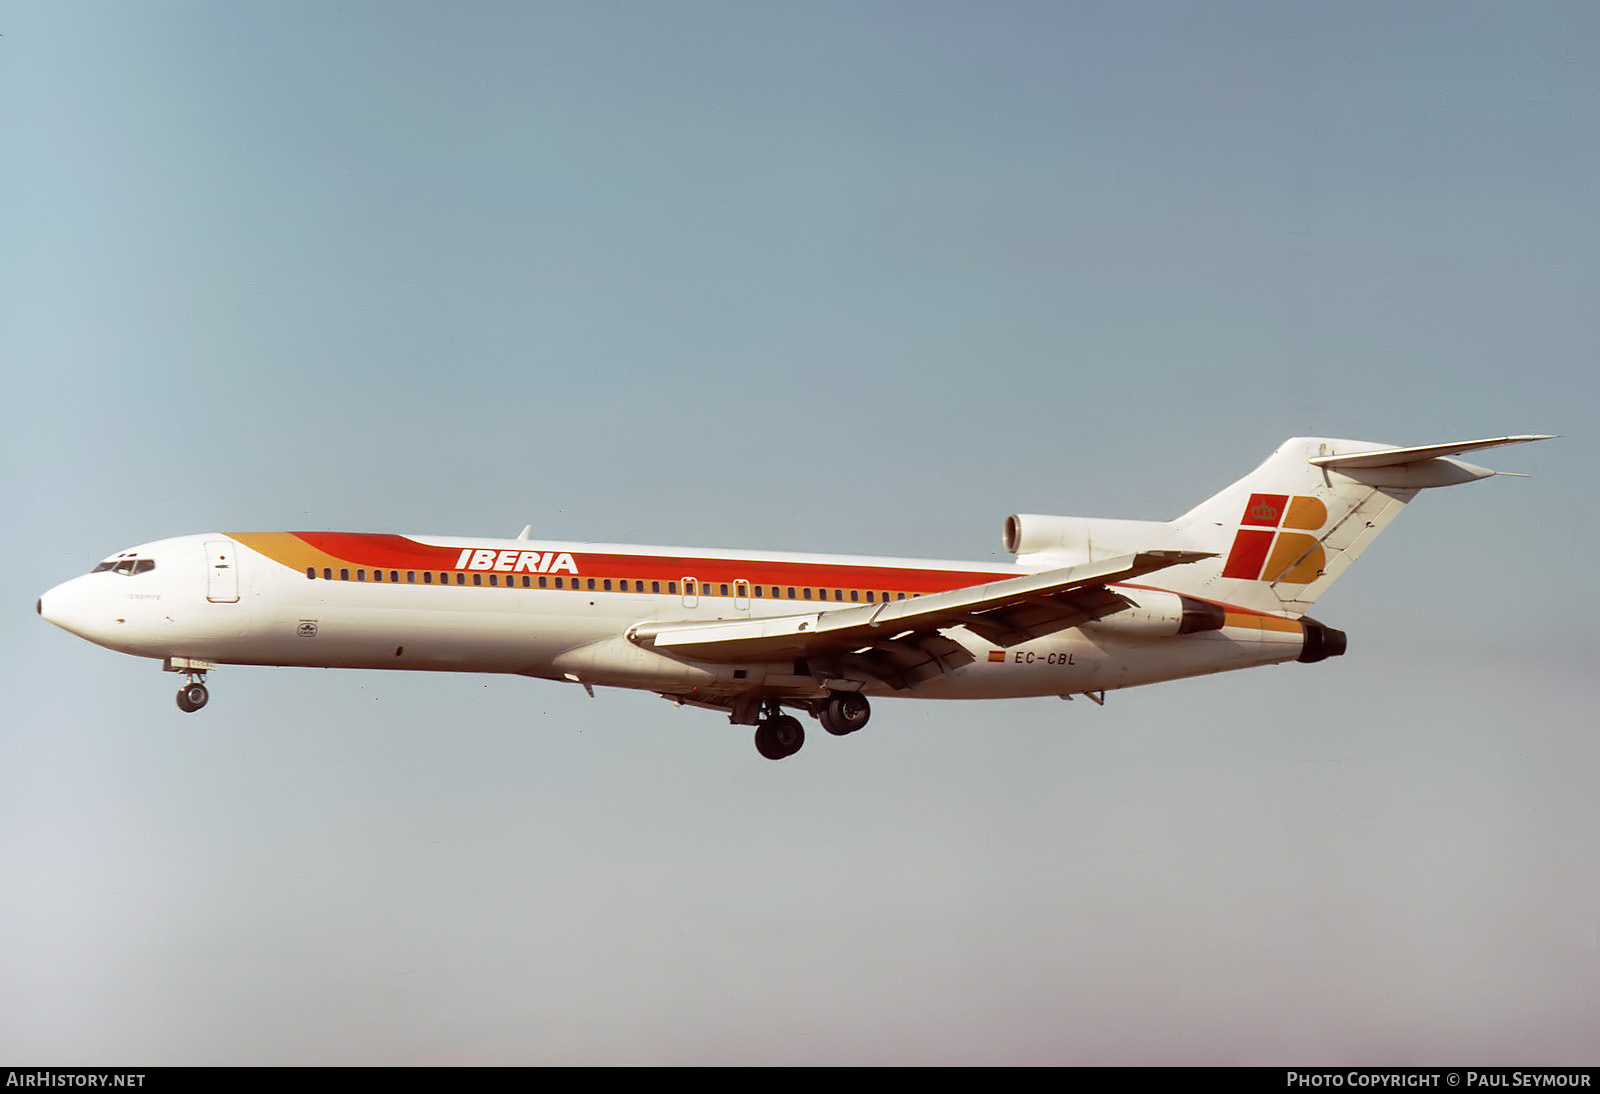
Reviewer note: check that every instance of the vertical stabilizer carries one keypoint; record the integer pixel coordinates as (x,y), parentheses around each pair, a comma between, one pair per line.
(1285,532)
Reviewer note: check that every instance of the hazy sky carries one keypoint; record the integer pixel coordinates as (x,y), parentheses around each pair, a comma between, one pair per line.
(863,277)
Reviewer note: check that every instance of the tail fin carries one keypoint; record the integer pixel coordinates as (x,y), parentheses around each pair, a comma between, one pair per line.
(1285,532)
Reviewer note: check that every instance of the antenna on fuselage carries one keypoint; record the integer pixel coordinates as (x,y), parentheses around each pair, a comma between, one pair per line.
(527,529)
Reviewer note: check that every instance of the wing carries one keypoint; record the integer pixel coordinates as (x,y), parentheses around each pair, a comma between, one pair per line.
(898,641)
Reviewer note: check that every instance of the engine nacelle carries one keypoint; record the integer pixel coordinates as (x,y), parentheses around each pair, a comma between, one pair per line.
(1082,539)
(1156,614)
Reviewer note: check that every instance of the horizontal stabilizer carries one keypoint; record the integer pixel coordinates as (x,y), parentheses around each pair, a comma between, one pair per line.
(1396,457)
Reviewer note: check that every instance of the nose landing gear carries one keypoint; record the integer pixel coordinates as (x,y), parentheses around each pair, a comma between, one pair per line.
(193,695)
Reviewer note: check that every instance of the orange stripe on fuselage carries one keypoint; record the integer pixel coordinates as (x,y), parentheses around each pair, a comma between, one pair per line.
(1256,622)
(300,550)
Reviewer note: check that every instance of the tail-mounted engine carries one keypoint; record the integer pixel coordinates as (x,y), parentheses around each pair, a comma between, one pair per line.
(1083,539)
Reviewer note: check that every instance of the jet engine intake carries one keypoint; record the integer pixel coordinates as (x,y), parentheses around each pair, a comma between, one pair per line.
(1065,540)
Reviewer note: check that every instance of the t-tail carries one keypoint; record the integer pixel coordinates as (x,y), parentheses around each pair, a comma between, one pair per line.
(1280,536)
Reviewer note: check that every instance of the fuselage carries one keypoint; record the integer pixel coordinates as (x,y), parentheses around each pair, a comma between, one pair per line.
(564,611)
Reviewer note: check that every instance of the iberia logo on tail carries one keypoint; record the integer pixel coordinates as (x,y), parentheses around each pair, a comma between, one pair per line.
(1264,551)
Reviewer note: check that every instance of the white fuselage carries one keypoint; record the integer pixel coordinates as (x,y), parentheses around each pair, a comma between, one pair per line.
(565,610)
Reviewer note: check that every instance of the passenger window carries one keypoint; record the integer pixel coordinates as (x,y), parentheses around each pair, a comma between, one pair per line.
(461,579)
(607,584)
(411,577)
(494,580)
(655,586)
(723,589)
(327,574)
(377,575)
(672,588)
(477,579)
(855,595)
(311,573)
(427,577)
(394,575)
(808,593)
(544,582)
(344,575)
(361,575)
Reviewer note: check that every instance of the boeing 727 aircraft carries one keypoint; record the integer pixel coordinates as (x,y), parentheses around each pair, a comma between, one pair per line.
(1089,605)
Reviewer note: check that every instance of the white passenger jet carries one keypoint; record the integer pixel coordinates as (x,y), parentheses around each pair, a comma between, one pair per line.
(1089,605)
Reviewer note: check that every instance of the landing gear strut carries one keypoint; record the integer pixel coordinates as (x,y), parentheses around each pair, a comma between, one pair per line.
(778,735)
(845,712)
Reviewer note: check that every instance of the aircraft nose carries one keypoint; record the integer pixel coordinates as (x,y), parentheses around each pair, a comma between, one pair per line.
(70,607)
(53,615)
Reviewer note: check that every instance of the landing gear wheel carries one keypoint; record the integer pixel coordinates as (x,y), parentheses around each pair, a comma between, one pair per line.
(779,737)
(191,697)
(845,713)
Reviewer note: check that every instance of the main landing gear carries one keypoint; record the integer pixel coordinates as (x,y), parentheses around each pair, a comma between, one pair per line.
(779,735)
(845,712)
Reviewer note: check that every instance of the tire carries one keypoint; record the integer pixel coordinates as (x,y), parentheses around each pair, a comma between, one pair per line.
(779,737)
(845,713)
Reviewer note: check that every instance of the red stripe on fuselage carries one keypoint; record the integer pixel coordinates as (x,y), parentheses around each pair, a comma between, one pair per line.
(387,551)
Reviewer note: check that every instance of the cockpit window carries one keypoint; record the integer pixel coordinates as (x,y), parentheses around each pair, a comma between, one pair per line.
(127,567)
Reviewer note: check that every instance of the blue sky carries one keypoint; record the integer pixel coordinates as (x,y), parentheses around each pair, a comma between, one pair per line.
(853,277)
